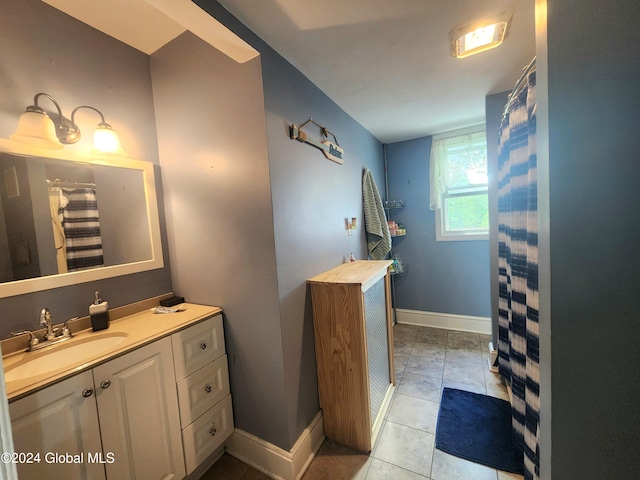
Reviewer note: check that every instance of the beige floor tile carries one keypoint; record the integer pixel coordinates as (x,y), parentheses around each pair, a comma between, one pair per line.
(448,467)
(254,474)
(402,347)
(463,340)
(509,476)
(337,462)
(380,470)
(465,387)
(227,468)
(414,412)
(493,380)
(426,361)
(434,336)
(431,367)
(420,386)
(464,373)
(400,360)
(405,332)
(473,357)
(437,352)
(484,341)
(502,394)
(405,447)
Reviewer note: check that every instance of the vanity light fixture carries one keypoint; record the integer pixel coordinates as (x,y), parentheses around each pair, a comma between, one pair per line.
(51,130)
(479,36)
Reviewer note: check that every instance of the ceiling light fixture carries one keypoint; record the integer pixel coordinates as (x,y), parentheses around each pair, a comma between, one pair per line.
(38,128)
(479,36)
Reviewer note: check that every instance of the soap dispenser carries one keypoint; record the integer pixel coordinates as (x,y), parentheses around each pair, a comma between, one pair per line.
(99,313)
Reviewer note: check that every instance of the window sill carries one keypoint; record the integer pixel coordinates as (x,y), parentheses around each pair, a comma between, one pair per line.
(462,237)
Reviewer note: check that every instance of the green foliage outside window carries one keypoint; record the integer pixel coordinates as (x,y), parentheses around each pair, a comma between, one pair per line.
(468,212)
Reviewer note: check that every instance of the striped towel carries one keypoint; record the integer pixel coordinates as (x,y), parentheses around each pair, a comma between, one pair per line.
(82,230)
(375,220)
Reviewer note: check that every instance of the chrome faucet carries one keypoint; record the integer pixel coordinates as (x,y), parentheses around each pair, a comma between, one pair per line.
(45,321)
(52,335)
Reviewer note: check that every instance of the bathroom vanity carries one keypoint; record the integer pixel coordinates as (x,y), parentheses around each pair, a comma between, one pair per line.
(151,400)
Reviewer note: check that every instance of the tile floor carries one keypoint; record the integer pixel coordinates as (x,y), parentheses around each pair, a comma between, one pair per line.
(426,360)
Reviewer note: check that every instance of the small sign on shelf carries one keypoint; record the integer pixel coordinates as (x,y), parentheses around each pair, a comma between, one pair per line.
(331,150)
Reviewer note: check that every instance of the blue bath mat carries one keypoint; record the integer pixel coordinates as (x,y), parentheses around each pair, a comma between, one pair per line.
(478,428)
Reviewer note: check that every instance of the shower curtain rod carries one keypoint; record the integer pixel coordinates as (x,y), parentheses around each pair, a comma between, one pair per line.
(67,184)
(519,84)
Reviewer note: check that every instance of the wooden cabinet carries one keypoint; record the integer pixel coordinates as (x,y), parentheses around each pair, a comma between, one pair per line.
(202,373)
(137,436)
(354,350)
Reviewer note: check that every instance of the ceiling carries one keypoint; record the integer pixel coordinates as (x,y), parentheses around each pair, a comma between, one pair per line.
(387,62)
(148,25)
(384,62)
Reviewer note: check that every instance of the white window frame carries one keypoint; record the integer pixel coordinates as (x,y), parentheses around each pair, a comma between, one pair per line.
(443,235)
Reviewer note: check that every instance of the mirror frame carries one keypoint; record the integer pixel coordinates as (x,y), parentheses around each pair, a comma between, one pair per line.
(29,285)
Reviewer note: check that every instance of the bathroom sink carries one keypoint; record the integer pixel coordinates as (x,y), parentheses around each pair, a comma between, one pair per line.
(62,355)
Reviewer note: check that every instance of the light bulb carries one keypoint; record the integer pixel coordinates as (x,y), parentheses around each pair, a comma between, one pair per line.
(106,141)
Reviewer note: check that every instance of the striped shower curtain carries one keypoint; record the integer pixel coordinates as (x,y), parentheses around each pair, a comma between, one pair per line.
(518,304)
(81,225)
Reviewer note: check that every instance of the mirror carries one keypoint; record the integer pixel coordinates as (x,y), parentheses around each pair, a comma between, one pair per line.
(65,219)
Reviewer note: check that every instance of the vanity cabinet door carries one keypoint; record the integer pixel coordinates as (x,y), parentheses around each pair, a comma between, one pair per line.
(139,417)
(59,420)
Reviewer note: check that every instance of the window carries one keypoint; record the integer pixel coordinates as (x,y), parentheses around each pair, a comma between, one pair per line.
(459,185)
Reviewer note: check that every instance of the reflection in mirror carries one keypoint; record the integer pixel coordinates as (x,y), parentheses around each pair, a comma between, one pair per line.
(63,222)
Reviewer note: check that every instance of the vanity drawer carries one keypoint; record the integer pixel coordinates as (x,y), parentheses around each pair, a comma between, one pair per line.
(207,433)
(196,346)
(202,390)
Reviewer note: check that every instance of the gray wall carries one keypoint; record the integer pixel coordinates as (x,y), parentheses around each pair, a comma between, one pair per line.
(589,170)
(271,217)
(216,179)
(311,197)
(442,277)
(44,50)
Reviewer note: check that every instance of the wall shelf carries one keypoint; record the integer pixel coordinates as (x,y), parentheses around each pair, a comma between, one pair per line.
(392,204)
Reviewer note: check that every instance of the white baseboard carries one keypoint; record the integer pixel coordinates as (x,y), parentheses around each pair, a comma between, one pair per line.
(272,460)
(449,321)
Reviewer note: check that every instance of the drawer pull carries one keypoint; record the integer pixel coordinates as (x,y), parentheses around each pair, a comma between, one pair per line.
(203,345)
(208,389)
(105,384)
(213,431)
(87,392)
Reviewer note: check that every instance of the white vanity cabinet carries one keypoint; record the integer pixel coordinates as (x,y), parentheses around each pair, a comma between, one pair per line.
(58,419)
(138,409)
(138,432)
(204,396)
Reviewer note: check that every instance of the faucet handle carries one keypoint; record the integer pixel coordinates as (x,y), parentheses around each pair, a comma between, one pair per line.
(33,340)
(65,328)
(45,316)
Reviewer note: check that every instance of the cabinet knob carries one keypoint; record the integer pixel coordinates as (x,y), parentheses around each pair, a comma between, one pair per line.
(208,389)
(87,392)
(213,431)
(105,384)
(203,345)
